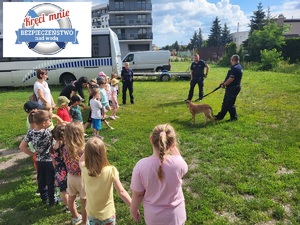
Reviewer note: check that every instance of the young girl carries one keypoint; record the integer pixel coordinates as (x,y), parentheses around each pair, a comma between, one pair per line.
(91,85)
(100,177)
(41,139)
(96,107)
(114,98)
(157,180)
(73,150)
(59,163)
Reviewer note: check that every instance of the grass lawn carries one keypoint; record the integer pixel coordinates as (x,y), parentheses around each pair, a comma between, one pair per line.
(244,172)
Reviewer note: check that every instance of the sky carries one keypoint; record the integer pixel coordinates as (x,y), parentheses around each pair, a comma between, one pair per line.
(177,20)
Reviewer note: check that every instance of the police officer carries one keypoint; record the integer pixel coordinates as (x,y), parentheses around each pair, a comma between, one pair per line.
(127,80)
(197,77)
(232,83)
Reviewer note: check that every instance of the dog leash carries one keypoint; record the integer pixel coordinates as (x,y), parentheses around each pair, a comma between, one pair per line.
(212,91)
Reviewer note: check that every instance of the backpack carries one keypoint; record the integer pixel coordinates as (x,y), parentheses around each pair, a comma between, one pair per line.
(33,97)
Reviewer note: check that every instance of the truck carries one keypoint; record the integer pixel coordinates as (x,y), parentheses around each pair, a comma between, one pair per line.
(152,61)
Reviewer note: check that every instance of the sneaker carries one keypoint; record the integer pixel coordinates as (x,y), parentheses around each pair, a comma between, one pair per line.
(37,193)
(117,117)
(101,137)
(67,210)
(77,221)
(111,128)
(112,117)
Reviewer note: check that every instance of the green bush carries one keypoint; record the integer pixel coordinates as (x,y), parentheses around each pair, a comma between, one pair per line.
(270,59)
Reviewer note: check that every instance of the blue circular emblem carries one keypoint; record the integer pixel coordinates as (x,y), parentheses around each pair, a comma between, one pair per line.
(47,48)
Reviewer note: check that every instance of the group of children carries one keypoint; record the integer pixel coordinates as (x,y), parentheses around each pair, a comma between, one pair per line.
(81,168)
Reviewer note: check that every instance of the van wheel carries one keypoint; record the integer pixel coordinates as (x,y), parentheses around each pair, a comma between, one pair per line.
(67,78)
(165,78)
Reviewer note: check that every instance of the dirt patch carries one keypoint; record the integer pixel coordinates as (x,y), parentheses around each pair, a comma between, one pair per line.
(13,154)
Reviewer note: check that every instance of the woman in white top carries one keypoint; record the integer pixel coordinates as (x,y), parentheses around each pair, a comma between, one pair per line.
(41,89)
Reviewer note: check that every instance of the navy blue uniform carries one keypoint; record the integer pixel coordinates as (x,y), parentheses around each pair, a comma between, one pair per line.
(127,79)
(232,91)
(198,77)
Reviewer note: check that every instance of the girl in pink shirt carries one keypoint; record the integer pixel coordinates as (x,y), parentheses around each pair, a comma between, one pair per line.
(157,181)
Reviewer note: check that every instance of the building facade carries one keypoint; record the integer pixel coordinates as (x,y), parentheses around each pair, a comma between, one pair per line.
(131,20)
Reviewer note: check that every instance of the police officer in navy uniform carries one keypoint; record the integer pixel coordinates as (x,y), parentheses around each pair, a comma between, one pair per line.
(127,80)
(197,77)
(232,83)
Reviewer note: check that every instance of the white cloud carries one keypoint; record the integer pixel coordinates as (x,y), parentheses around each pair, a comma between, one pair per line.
(177,21)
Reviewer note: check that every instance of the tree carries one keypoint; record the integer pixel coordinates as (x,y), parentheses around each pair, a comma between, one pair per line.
(258,20)
(175,46)
(194,42)
(225,35)
(214,38)
(200,38)
(270,37)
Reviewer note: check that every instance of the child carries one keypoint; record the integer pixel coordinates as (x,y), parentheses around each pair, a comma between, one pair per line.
(96,107)
(41,139)
(73,150)
(157,180)
(75,112)
(115,76)
(30,106)
(100,177)
(59,163)
(108,89)
(91,85)
(114,98)
(62,110)
(104,101)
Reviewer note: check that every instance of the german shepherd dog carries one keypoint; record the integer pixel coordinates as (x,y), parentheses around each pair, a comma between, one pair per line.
(198,108)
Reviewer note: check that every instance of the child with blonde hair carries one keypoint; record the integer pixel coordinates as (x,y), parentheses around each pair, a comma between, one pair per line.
(41,139)
(59,163)
(100,178)
(114,98)
(73,150)
(157,181)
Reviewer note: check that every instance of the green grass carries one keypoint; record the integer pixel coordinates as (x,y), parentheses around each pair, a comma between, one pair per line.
(244,172)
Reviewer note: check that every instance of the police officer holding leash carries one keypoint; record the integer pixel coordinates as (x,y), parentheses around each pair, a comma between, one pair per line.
(232,83)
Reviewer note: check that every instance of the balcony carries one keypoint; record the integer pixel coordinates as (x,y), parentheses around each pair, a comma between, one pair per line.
(129,7)
(130,22)
(135,36)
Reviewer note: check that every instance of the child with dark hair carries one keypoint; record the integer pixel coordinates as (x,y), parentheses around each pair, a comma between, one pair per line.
(96,108)
(76,87)
(91,85)
(75,112)
(41,139)
(59,163)
(156,181)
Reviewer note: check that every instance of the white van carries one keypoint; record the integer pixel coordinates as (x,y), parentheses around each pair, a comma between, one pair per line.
(153,61)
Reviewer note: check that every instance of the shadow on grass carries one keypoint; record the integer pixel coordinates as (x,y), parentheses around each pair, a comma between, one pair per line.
(188,125)
(169,104)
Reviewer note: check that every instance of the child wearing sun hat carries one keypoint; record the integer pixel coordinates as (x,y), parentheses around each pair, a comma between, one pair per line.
(62,111)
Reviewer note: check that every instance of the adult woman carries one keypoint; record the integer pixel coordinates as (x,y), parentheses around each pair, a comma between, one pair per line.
(41,89)
(75,86)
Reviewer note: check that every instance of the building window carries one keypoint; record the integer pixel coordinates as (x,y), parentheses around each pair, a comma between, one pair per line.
(119,4)
(141,18)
